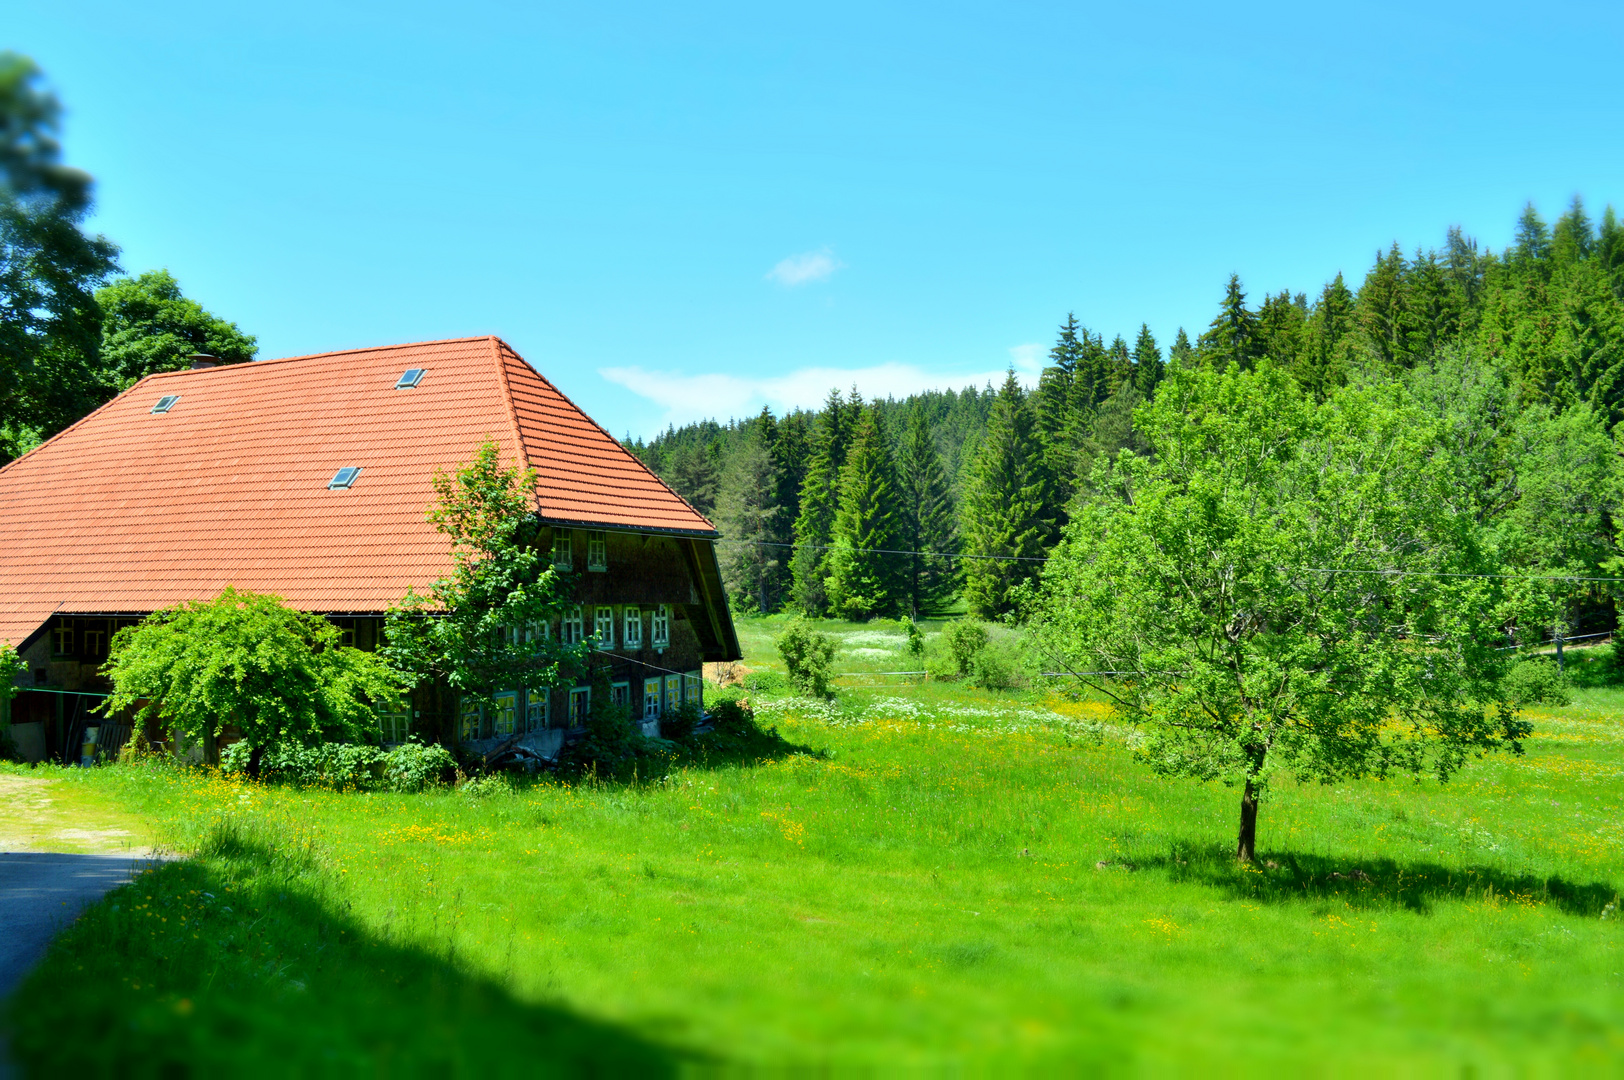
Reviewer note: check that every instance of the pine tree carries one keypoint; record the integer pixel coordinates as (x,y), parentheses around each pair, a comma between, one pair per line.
(1181,357)
(1232,336)
(1118,366)
(1054,394)
(1532,248)
(820,500)
(866,575)
(1148,368)
(927,520)
(1382,310)
(692,474)
(746,510)
(1282,327)
(1572,240)
(1003,510)
(1321,366)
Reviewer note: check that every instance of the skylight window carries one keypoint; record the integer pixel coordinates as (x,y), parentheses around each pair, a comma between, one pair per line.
(412,377)
(166,403)
(344,478)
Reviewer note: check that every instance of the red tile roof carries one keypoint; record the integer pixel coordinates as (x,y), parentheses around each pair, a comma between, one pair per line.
(128,511)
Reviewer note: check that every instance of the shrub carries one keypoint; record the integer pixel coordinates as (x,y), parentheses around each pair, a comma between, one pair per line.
(733,716)
(916,638)
(766,682)
(334,765)
(994,668)
(1536,682)
(413,766)
(678,725)
(808,655)
(965,639)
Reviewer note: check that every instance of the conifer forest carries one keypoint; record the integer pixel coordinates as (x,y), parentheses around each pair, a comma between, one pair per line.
(950,500)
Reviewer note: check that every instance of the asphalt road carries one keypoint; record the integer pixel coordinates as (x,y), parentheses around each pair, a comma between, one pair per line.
(42,892)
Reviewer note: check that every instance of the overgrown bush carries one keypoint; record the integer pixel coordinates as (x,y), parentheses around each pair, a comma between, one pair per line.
(678,725)
(333,765)
(916,638)
(1537,682)
(413,766)
(611,744)
(965,638)
(809,656)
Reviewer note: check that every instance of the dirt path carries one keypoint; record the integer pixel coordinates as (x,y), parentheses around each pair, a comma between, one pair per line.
(39,815)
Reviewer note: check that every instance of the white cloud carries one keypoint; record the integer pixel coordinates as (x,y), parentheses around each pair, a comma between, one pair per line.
(1028,360)
(807,267)
(686,398)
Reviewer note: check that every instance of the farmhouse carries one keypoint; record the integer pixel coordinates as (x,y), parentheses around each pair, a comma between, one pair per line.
(310,478)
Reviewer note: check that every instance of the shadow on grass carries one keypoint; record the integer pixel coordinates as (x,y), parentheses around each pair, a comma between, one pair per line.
(243,962)
(1280,877)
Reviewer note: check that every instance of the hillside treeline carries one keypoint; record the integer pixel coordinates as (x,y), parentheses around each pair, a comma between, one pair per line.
(871,508)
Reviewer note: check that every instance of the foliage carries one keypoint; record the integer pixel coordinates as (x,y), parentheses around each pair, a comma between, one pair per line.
(1280,591)
(928,529)
(1536,682)
(965,638)
(243,659)
(485,628)
(820,502)
(1006,508)
(916,637)
(11,666)
(337,765)
(147,326)
(746,516)
(678,724)
(866,576)
(416,766)
(49,268)
(808,655)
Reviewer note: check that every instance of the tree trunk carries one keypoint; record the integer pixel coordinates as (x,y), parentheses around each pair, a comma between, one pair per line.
(254,757)
(1246,843)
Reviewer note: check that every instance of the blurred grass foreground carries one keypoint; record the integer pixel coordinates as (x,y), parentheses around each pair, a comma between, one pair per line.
(929,876)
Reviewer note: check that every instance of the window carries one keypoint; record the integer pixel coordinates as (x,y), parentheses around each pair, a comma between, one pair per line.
(506,720)
(571,634)
(633,636)
(346,632)
(580,705)
(651,699)
(411,378)
(62,638)
(693,689)
(673,693)
(603,628)
(473,720)
(561,550)
(396,726)
(537,709)
(344,478)
(165,403)
(96,642)
(620,695)
(662,626)
(535,633)
(597,551)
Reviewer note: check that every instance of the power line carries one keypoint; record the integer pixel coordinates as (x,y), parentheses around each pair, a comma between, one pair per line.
(890,551)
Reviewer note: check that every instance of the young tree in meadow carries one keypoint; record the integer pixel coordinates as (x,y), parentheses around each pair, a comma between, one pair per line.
(866,575)
(927,515)
(746,514)
(148,326)
(1005,512)
(247,661)
(484,628)
(1285,589)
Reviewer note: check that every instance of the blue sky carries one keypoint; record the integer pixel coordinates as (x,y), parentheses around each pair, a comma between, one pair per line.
(678,211)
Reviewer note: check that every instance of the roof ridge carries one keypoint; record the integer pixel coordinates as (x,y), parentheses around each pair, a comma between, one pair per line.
(519,447)
(640,462)
(322,356)
(82,420)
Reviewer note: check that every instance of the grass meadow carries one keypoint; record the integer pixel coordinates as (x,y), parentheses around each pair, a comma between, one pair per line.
(924,876)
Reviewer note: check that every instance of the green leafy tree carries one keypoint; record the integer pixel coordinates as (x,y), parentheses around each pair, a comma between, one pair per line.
(50,325)
(927,520)
(1274,592)
(148,326)
(1005,511)
(485,628)
(246,660)
(867,576)
(746,515)
(11,666)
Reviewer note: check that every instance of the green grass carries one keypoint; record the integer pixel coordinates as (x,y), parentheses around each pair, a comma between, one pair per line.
(953,879)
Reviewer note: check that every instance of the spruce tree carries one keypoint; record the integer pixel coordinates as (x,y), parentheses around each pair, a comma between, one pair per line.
(820,499)
(1282,323)
(1181,357)
(1118,366)
(1148,368)
(1232,336)
(927,519)
(1321,366)
(692,474)
(746,511)
(1003,510)
(866,575)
